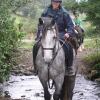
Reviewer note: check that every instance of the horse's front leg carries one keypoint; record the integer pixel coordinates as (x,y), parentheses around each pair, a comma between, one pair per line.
(47,95)
(58,86)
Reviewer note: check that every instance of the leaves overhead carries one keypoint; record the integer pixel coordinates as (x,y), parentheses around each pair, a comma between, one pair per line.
(92,9)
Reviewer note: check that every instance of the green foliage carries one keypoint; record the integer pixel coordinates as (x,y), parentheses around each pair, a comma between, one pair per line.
(28,24)
(27,14)
(93,59)
(93,42)
(97,66)
(70,4)
(8,39)
(92,9)
(20,35)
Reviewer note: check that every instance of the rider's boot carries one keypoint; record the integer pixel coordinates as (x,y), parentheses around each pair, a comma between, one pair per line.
(35,51)
(69,60)
(67,88)
(69,80)
(36,47)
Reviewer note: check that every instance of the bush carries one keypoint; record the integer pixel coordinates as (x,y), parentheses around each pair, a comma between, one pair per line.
(8,41)
(93,59)
(97,66)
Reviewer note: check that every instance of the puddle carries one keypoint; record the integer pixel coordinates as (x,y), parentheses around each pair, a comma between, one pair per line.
(29,88)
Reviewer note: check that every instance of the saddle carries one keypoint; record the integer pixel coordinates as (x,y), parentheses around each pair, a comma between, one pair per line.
(73,42)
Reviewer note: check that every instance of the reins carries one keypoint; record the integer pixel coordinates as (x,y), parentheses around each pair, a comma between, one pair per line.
(53,60)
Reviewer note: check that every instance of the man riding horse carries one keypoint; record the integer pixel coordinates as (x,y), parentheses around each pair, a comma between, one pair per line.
(66,31)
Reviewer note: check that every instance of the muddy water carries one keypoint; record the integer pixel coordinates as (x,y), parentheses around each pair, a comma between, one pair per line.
(29,88)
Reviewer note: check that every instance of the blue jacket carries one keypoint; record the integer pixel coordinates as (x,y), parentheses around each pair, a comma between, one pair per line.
(62,19)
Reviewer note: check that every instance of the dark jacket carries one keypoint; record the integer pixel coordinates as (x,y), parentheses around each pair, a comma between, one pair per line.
(62,19)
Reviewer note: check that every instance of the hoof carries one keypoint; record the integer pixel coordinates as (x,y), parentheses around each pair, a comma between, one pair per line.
(47,97)
(56,97)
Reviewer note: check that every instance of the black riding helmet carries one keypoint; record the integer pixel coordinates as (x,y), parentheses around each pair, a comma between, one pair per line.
(56,1)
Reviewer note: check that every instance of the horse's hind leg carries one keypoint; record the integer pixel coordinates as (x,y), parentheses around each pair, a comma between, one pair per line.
(47,95)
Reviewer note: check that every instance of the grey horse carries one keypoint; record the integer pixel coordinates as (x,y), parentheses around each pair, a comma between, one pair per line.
(50,59)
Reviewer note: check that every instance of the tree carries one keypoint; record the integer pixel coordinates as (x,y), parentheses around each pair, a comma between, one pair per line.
(92,9)
(70,4)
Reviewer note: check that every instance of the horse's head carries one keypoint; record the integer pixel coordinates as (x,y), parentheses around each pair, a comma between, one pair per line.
(49,38)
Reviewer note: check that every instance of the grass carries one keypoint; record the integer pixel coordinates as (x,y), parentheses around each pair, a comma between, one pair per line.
(27,45)
(94,58)
(92,42)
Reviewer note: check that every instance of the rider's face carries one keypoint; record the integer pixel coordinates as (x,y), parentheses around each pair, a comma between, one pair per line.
(55,5)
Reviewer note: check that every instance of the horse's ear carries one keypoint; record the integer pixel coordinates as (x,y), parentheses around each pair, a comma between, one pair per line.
(41,21)
(53,22)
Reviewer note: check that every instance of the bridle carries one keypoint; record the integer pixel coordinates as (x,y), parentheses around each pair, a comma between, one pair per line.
(52,49)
